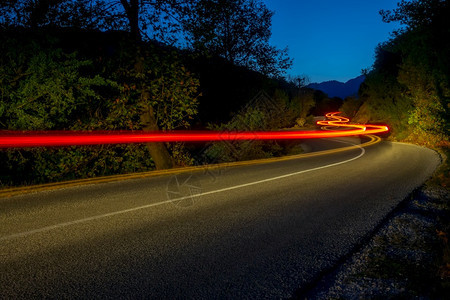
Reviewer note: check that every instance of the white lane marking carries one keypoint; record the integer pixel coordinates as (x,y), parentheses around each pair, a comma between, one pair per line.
(65,224)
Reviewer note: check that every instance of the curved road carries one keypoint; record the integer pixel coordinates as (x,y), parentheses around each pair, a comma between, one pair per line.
(258,231)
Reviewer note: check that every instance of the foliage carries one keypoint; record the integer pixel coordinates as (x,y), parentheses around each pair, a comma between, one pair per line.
(302,103)
(77,70)
(87,14)
(44,87)
(427,117)
(302,99)
(416,13)
(350,106)
(47,89)
(384,98)
(173,91)
(262,114)
(238,30)
(408,86)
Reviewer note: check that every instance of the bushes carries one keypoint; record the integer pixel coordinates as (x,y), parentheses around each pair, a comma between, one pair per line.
(351,106)
(408,86)
(263,113)
(44,86)
(41,165)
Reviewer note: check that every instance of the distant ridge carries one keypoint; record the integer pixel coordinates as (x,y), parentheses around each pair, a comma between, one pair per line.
(339,89)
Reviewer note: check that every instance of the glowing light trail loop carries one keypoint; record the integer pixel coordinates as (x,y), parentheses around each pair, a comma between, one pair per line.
(14,139)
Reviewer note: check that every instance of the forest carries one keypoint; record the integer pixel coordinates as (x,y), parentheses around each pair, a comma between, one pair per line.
(408,86)
(200,64)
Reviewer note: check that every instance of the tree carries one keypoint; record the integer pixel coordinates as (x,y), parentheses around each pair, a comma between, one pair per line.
(417,13)
(138,17)
(238,30)
(302,98)
(350,106)
(98,14)
(408,86)
(158,151)
(43,87)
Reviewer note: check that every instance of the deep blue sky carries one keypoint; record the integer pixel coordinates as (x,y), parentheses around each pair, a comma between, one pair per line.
(329,39)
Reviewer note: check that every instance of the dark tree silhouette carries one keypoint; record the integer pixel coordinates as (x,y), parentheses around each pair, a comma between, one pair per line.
(238,30)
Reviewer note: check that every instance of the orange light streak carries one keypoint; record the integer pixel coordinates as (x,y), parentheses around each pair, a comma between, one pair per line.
(15,139)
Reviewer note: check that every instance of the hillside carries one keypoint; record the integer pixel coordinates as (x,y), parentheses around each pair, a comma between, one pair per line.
(339,89)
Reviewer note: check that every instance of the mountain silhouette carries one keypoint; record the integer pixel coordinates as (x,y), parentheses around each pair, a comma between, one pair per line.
(339,89)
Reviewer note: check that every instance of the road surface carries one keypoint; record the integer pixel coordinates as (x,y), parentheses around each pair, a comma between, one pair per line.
(258,231)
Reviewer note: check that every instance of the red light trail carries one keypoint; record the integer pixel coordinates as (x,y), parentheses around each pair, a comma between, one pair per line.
(22,139)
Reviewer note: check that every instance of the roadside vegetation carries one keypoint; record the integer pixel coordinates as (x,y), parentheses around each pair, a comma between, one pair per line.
(408,88)
(408,85)
(127,65)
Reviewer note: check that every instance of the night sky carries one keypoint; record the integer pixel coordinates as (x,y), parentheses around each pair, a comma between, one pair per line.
(329,39)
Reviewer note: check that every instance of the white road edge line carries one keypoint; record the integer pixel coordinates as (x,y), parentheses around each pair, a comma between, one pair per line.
(65,224)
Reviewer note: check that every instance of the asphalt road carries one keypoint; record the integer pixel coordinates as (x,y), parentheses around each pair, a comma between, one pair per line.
(259,231)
